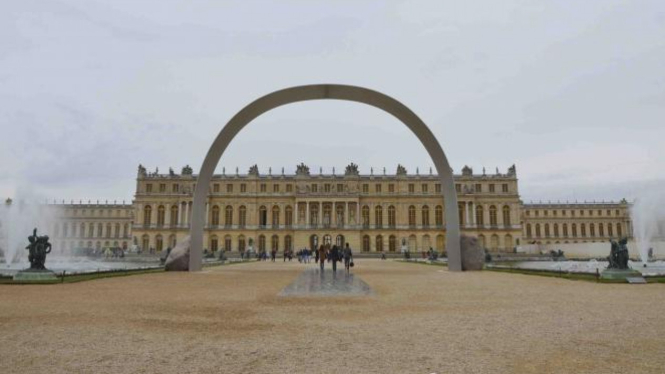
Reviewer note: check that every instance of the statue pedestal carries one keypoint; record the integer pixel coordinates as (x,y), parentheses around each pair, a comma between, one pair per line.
(619,274)
(35,276)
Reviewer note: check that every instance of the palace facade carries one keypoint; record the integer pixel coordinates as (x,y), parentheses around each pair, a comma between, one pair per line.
(372,212)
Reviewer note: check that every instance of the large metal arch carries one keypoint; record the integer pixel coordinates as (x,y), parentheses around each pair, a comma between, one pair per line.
(322,92)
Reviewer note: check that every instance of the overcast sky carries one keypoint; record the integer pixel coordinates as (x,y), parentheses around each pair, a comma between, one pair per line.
(572,92)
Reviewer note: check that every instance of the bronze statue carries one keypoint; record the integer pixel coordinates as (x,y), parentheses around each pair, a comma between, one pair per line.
(618,257)
(38,248)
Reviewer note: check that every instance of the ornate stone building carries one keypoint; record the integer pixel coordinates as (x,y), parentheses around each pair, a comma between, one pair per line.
(372,212)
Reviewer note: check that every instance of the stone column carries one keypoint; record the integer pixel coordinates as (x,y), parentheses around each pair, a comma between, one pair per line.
(167,215)
(307,216)
(177,220)
(319,223)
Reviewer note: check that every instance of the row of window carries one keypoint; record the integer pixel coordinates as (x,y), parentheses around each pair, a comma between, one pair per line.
(97,213)
(573,227)
(328,188)
(590,212)
(478,188)
(493,212)
(78,230)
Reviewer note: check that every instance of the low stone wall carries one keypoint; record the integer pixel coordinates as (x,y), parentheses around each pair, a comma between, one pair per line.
(592,250)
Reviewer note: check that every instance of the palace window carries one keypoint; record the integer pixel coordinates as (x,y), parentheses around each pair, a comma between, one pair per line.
(391,216)
(425,215)
(174,216)
(148,188)
(506,215)
(262,243)
(423,188)
(162,187)
(392,243)
(379,243)
(263,216)
(492,188)
(458,188)
(275,188)
(228,216)
(391,188)
(590,213)
(175,187)
(275,216)
(537,230)
(493,219)
(609,230)
(263,187)
(229,188)
(288,216)
(563,213)
(412,188)
(581,213)
(377,188)
(243,187)
(572,213)
(583,229)
(147,215)
(366,243)
(437,187)
(412,216)
(340,187)
(619,232)
(504,187)
(215,216)
(242,217)
(227,243)
(478,188)
(556,230)
(574,229)
(365,216)
(288,242)
(601,230)
(438,216)
(315,188)
(289,188)
(326,187)
(274,243)
(545,212)
(592,230)
(528,230)
(160,215)
(378,216)
(365,188)
(215,188)
(565,229)
(547,230)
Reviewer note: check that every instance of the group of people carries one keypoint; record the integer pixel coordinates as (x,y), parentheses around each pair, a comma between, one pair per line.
(334,254)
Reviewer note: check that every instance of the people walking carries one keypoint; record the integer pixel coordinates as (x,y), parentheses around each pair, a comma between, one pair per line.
(321,256)
(334,254)
(348,256)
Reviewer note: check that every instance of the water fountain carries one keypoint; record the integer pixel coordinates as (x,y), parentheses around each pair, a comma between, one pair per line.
(648,218)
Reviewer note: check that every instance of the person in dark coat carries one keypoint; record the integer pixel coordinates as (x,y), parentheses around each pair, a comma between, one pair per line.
(321,254)
(334,254)
(348,256)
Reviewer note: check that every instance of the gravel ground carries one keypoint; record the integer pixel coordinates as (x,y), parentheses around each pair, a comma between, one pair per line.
(422,319)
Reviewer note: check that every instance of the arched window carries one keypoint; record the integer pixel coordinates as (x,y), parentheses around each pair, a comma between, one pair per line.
(314,214)
(366,243)
(378,216)
(480,215)
(275,216)
(583,229)
(494,243)
(145,243)
(441,243)
(412,216)
(609,230)
(592,230)
(100,230)
(263,216)
(537,230)
(288,242)
(565,229)
(392,243)
(547,230)
(159,243)
(174,216)
(619,231)
(147,215)
(391,216)
(425,215)
(215,215)
(528,230)
(506,216)
(288,216)
(116,232)
(556,230)
(574,229)
(214,243)
(413,243)
(493,220)
(438,216)
(172,241)
(242,219)
(379,243)
(161,214)
(65,229)
(228,216)
(601,230)
(241,243)
(91,229)
(365,216)
(262,243)
(426,243)
(274,243)
(327,214)
(82,231)
(508,242)
(481,241)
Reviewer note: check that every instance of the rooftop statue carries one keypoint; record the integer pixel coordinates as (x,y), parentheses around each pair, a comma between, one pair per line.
(512,171)
(351,169)
(254,170)
(467,171)
(187,170)
(302,169)
(142,171)
(401,170)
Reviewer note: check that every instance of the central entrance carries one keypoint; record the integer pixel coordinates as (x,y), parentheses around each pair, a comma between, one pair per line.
(326,92)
